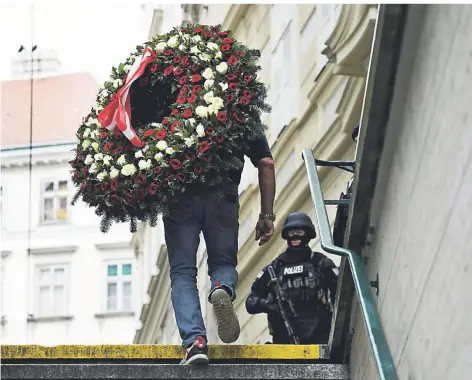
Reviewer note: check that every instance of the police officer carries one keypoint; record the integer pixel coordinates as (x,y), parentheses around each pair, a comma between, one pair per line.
(308,279)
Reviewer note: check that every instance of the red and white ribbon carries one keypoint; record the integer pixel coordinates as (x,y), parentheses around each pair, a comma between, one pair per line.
(118,112)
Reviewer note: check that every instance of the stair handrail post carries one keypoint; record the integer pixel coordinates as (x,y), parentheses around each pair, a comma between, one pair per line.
(375,332)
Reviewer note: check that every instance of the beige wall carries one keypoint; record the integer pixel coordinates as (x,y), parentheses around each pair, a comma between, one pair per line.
(422,241)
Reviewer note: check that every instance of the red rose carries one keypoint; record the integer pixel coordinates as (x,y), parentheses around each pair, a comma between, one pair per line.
(196,89)
(184,88)
(181,99)
(197,170)
(174,126)
(115,199)
(247,94)
(174,112)
(130,198)
(103,135)
(141,178)
(229,98)
(161,135)
(194,67)
(244,101)
(209,131)
(192,99)
(168,70)
(85,170)
(221,116)
(143,81)
(231,77)
(82,187)
(180,177)
(177,59)
(108,146)
(157,170)
(76,175)
(203,146)
(190,156)
(184,61)
(187,113)
(167,52)
(175,163)
(165,121)
(104,186)
(152,188)
(198,30)
(196,78)
(148,133)
(233,60)
(207,156)
(233,86)
(114,184)
(178,71)
(207,34)
(154,68)
(222,34)
(228,41)
(182,81)
(240,53)
(225,47)
(117,151)
(219,138)
(239,117)
(247,79)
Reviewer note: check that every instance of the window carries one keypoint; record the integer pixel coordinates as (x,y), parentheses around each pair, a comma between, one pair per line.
(119,287)
(54,201)
(52,287)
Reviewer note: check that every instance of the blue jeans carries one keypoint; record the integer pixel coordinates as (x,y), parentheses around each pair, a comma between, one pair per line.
(216,215)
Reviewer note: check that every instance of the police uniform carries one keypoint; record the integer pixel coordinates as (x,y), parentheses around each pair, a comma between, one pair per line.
(308,279)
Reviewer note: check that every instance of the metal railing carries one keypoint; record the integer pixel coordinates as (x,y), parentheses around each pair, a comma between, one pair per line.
(380,349)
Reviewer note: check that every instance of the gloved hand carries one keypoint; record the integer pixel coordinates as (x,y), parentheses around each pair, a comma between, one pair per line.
(269,306)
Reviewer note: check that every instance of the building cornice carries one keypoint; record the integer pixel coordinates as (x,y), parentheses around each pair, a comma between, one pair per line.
(56,249)
(113,245)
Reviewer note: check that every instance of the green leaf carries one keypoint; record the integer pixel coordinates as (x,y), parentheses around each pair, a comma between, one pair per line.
(121,67)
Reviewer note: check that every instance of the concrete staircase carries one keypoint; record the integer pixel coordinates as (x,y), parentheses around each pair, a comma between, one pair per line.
(161,362)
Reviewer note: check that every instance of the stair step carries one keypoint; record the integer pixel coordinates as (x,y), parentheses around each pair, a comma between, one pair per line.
(175,371)
(163,352)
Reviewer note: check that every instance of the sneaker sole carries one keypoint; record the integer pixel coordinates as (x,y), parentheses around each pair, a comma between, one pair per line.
(228,324)
(198,359)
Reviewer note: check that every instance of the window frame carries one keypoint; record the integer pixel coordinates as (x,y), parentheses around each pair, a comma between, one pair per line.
(56,194)
(119,279)
(66,284)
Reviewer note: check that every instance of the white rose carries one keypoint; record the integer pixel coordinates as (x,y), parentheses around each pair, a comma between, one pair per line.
(161,145)
(219,55)
(192,121)
(186,37)
(160,47)
(208,97)
(102,175)
(104,93)
(212,46)
(200,130)
(202,111)
(222,68)
(106,160)
(212,109)
(117,83)
(114,172)
(158,156)
(224,86)
(189,141)
(217,102)
(194,50)
(93,168)
(182,48)
(122,160)
(98,156)
(208,73)
(94,134)
(156,125)
(86,144)
(95,146)
(144,165)
(173,42)
(86,132)
(169,150)
(208,83)
(88,159)
(127,68)
(205,57)
(128,170)
(138,154)
(196,38)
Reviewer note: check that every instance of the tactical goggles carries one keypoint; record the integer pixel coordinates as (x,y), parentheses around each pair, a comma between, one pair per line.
(297,232)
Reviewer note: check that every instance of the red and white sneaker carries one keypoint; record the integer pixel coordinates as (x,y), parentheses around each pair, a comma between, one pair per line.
(197,353)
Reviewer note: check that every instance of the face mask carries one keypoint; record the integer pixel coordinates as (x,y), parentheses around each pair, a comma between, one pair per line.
(304,240)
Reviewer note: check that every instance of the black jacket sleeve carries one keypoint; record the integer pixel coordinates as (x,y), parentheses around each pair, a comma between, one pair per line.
(330,274)
(256,302)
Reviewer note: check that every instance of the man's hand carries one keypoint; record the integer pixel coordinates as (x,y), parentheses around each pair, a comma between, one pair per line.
(264,230)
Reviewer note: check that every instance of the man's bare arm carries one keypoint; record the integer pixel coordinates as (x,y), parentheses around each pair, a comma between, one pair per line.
(267,184)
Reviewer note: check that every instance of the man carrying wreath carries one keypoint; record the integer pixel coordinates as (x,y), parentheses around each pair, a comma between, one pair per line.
(215,212)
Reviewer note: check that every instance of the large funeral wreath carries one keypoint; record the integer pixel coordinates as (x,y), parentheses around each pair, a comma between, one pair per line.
(175,113)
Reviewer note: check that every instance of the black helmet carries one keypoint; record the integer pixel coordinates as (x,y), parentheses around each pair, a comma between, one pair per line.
(299,220)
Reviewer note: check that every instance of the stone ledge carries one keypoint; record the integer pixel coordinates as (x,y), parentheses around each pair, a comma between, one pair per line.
(175,371)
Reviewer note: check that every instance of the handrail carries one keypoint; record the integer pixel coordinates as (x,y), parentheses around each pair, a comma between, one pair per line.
(378,341)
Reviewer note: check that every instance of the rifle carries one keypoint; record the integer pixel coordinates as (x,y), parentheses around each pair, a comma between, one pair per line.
(281,302)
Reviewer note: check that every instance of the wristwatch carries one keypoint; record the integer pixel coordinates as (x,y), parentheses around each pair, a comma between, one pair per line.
(267,216)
